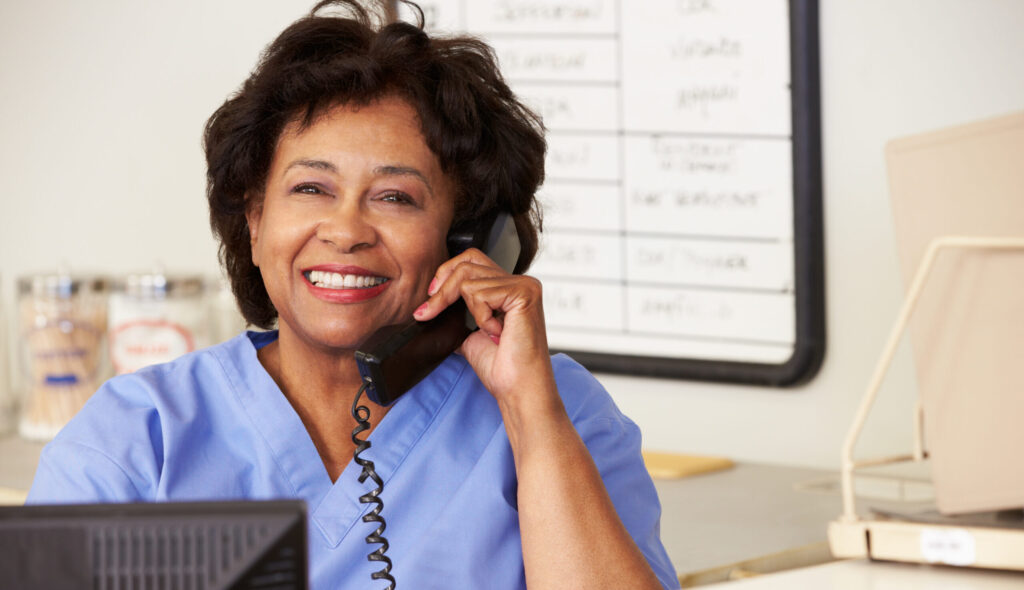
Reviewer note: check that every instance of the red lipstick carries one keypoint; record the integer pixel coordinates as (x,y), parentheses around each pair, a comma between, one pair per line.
(342,294)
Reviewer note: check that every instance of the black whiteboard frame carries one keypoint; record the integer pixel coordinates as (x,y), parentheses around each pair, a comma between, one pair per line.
(808,242)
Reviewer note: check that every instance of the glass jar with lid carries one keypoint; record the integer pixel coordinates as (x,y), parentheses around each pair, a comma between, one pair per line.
(62,326)
(155,318)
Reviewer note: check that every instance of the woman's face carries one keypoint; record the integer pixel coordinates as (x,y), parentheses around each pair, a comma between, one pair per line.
(353,223)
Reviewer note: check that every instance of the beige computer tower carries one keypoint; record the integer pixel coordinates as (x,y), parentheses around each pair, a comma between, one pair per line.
(967,331)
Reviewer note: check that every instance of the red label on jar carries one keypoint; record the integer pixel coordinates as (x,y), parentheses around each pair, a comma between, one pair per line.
(140,343)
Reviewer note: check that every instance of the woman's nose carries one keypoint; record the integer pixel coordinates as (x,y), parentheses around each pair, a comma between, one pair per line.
(347,228)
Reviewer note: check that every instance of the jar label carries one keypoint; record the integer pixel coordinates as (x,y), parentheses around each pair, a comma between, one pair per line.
(139,343)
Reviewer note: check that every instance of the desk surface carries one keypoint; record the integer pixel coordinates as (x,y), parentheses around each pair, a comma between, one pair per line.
(18,460)
(867,575)
(749,511)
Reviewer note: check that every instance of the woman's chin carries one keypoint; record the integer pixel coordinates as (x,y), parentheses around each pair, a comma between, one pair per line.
(337,336)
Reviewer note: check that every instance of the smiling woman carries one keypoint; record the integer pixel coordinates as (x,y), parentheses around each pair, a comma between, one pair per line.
(351,198)
(335,175)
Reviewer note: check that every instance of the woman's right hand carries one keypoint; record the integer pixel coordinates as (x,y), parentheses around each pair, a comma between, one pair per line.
(509,352)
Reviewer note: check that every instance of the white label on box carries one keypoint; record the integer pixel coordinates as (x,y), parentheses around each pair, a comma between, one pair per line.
(948,546)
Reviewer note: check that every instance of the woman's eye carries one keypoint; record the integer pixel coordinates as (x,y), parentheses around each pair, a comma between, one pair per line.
(307,189)
(396,197)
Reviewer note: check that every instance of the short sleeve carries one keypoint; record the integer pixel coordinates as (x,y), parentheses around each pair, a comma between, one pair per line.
(109,452)
(71,473)
(614,442)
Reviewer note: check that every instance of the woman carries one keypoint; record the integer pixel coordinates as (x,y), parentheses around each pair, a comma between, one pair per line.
(334,176)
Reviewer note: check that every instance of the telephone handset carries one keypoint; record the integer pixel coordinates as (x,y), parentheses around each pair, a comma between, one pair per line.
(397,357)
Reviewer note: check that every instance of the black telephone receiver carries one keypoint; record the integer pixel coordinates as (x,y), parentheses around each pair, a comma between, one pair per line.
(397,357)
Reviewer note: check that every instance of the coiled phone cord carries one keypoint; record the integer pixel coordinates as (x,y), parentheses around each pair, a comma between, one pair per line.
(362,417)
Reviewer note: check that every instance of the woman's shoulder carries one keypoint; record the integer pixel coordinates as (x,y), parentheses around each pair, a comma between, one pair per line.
(568,370)
(585,398)
(132,421)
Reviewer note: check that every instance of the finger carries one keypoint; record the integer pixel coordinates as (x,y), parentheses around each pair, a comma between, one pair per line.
(451,289)
(472,255)
(487,301)
(476,347)
(492,301)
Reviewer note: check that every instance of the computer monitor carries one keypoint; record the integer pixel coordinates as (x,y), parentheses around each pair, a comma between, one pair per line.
(155,546)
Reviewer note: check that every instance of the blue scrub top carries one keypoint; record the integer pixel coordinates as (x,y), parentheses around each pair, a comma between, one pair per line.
(213,425)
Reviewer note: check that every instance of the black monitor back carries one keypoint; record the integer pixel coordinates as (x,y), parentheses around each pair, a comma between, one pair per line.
(243,545)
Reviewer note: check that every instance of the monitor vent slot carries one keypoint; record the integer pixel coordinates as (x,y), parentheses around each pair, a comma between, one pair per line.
(281,572)
(172,557)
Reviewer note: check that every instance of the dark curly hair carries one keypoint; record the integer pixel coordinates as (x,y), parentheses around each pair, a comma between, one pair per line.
(487,142)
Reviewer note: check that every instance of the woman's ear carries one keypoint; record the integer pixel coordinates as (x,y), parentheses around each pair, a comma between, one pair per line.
(253,212)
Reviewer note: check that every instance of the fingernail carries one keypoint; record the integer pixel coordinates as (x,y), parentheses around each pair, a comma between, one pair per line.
(495,339)
(419,310)
(432,287)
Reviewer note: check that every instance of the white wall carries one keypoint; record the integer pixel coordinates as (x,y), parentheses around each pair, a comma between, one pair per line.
(102,106)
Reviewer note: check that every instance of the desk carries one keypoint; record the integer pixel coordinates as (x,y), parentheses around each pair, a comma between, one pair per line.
(711,524)
(864,575)
(18,460)
(749,517)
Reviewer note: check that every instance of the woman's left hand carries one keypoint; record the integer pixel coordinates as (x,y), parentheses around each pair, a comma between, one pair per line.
(510,351)
(557,478)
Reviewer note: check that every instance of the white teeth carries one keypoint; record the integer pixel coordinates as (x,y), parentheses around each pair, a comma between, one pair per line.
(333,280)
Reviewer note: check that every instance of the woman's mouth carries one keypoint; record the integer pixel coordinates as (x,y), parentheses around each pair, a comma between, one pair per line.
(334,280)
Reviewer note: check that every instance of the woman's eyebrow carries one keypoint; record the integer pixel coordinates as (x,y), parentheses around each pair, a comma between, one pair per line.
(396,170)
(386,170)
(318,164)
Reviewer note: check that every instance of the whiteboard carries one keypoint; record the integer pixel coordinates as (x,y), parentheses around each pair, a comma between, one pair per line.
(682,200)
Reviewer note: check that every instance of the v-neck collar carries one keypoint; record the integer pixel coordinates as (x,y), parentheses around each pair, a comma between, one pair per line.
(334,508)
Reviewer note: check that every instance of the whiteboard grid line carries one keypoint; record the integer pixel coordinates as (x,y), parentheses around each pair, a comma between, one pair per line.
(707,135)
(585,181)
(549,229)
(560,83)
(642,133)
(623,205)
(545,35)
(657,335)
(648,133)
(666,285)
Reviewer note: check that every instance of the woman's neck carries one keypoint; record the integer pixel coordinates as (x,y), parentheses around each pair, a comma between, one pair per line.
(320,386)
(307,372)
